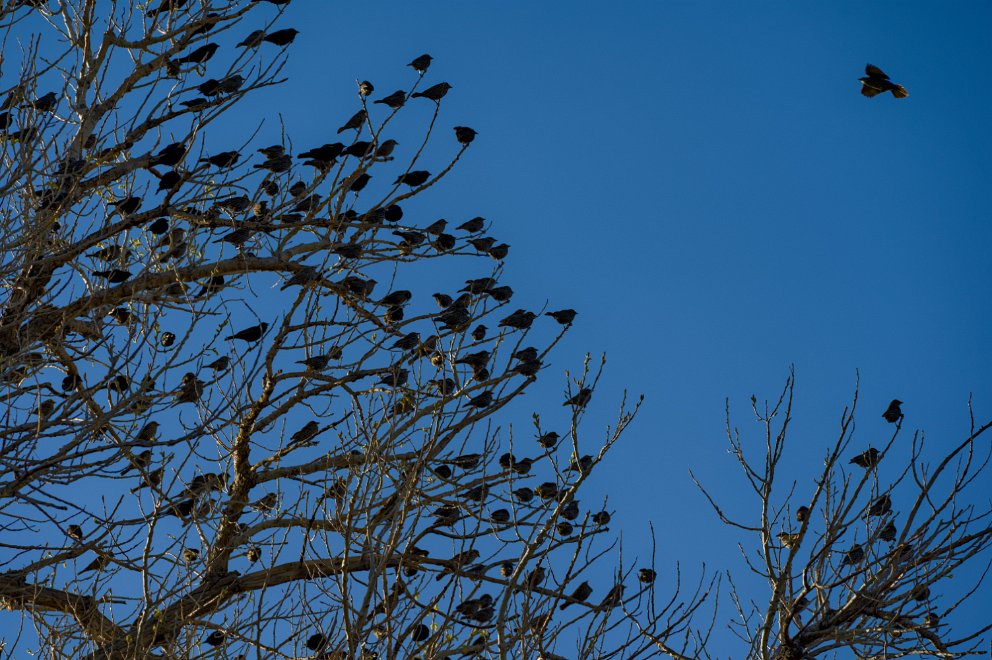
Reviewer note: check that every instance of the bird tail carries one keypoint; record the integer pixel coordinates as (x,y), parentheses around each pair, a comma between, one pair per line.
(900,92)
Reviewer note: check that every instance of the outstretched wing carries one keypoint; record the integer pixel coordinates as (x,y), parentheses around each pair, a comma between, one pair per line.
(868,90)
(875,72)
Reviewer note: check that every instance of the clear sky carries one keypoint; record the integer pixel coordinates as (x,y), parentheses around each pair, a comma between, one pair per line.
(705,184)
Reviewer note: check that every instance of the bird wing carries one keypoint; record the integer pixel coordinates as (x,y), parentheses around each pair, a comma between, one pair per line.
(868,90)
(875,72)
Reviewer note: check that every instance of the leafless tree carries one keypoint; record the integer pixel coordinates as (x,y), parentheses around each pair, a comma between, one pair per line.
(861,559)
(229,430)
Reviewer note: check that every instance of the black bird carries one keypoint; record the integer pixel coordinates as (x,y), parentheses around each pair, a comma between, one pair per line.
(482,243)
(853,556)
(788,540)
(357,149)
(443,300)
(601,518)
(227,85)
(474,225)
(74,532)
(169,181)
(316,642)
(613,597)
(499,252)
(880,506)
(303,277)
(276,164)
(520,320)
(414,178)
(357,121)
(867,460)
(253,40)
(150,479)
(127,206)
(306,433)
(570,511)
(223,159)
(394,100)
(399,297)
(434,93)
(888,533)
(421,64)
(876,82)
(250,335)
(464,134)
(581,593)
(282,37)
(480,285)
(316,362)
(359,182)
(581,399)
(325,153)
(216,638)
(893,413)
(408,341)
(272,151)
(190,554)
(147,434)
(139,461)
(45,103)
(236,237)
(481,400)
(365,88)
(114,275)
(220,364)
(500,293)
(98,564)
(479,332)
(563,316)
(395,378)
(198,56)
(802,513)
(159,227)
(646,575)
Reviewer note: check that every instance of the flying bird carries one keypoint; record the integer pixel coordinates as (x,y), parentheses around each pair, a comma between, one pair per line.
(876,82)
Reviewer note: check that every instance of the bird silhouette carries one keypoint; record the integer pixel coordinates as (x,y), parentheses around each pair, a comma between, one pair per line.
(876,82)
(893,413)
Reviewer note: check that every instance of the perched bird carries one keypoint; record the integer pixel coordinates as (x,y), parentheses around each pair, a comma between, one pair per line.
(315,362)
(434,92)
(443,300)
(251,334)
(581,465)
(398,297)
(147,432)
(581,399)
(880,506)
(276,164)
(893,413)
(548,440)
(563,316)
(481,400)
(357,149)
(581,593)
(253,554)
(266,504)
(357,121)
(479,332)
(384,152)
(308,432)
(547,491)
(521,319)
(198,56)
(570,511)
(325,154)
(888,533)
(474,225)
(365,88)
(303,277)
(613,597)
(394,100)
(316,642)
(500,293)
(216,638)
(414,178)
(150,480)
(395,378)
(74,532)
(500,516)
(421,64)
(523,495)
(646,575)
(223,159)
(499,252)
(281,37)
(601,518)
(253,40)
(45,103)
(114,275)
(159,226)
(226,85)
(190,554)
(127,206)
(169,181)
(853,556)
(98,564)
(867,460)
(802,513)
(788,540)
(170,155)
(408,341)
(220,364)
(535,577)
(931,620)
(464,134)
(876,82)
(359,182)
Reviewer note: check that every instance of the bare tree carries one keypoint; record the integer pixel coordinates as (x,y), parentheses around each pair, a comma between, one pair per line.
(860,559)
(227,423)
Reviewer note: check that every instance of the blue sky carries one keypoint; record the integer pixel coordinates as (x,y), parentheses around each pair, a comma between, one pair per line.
(706,186)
